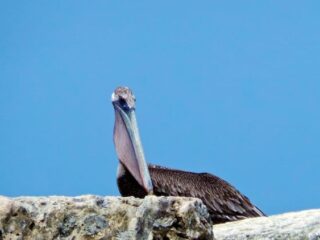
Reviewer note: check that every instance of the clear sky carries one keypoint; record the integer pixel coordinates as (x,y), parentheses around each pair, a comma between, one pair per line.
(230,87)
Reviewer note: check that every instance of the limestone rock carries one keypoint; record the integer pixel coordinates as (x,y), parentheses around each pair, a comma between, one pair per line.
(291,226)
(94,217)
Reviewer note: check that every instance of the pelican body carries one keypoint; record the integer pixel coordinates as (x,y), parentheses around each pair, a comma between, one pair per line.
(136,178)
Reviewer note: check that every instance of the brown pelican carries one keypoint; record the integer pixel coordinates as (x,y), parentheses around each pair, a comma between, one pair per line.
(136,178)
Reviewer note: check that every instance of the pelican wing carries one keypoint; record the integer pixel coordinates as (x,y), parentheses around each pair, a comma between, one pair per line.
(223,201)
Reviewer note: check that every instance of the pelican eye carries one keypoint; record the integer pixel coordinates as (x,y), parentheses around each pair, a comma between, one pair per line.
(123,104)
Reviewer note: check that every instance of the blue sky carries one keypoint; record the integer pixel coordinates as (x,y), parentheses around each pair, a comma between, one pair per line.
(231,88)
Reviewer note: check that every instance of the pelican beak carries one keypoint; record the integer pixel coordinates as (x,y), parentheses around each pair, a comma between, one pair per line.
(128,146)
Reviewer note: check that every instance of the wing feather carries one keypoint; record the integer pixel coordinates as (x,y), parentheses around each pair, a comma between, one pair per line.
(224,202)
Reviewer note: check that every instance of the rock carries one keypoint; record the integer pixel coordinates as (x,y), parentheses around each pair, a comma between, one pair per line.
(296,225)
(5,207)
(94,217)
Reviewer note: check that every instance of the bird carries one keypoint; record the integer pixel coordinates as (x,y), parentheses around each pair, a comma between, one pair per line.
(135,177)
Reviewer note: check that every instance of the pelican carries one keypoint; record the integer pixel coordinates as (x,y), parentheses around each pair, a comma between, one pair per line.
(137,178)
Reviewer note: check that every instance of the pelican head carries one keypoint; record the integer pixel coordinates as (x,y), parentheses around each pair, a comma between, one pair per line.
(127,139)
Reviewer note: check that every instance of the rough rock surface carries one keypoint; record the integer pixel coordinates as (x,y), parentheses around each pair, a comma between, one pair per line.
(296,225)
(94,217)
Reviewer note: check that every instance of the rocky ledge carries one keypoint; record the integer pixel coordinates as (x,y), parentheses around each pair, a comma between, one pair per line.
(290,226)
(95,217)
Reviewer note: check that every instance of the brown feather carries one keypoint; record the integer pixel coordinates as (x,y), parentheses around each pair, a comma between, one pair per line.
(223,201)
